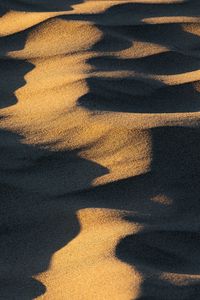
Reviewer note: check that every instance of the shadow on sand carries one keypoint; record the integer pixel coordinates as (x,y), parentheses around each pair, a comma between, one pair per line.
(33,6)
(38,213)
(33,224)
(137,93)
(170,241)
(12,71)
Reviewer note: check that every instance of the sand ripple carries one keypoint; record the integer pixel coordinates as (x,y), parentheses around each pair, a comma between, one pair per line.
(100,149)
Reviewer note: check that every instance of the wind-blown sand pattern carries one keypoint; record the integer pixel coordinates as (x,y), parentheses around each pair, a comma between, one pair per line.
(100,149)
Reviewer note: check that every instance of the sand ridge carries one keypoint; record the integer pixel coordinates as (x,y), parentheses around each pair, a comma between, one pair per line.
(99,165)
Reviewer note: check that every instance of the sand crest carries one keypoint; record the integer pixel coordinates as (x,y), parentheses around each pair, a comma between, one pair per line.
(100,149)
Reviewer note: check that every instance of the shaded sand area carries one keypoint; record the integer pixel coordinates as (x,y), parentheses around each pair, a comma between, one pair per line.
(100,149)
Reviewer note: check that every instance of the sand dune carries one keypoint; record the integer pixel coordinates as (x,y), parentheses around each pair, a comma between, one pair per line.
(100,149)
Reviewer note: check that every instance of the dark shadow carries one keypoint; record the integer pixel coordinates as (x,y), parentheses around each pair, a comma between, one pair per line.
(38,213)
(12,71)
(37,6)
(138,93)
(136,13)
(12,74)
(35,223)
(170,241)
(139,96)
(167,63)
(3,10)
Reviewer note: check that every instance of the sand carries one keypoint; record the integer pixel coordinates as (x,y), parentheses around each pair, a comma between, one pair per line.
(100,149)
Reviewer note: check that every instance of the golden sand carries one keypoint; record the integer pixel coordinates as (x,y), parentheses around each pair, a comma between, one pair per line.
(100,149)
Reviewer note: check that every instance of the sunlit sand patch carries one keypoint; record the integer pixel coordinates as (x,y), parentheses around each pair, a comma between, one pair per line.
(192,28)
(87,268)
(180,279)
(26,19)
(172,19)
(112,145)
(122,160)
(140,49)
(162,199)
(9,26)
(197,86)
(172,79)
(64,36)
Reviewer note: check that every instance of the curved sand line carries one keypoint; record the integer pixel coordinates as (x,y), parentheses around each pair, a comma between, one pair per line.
(100,143)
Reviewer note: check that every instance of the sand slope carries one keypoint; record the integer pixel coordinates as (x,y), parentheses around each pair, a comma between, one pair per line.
(100,149)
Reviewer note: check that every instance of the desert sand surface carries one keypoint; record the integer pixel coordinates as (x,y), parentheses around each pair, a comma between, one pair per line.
(100,149)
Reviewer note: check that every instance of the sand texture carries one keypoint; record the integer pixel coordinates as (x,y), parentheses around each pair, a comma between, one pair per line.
(100,149)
